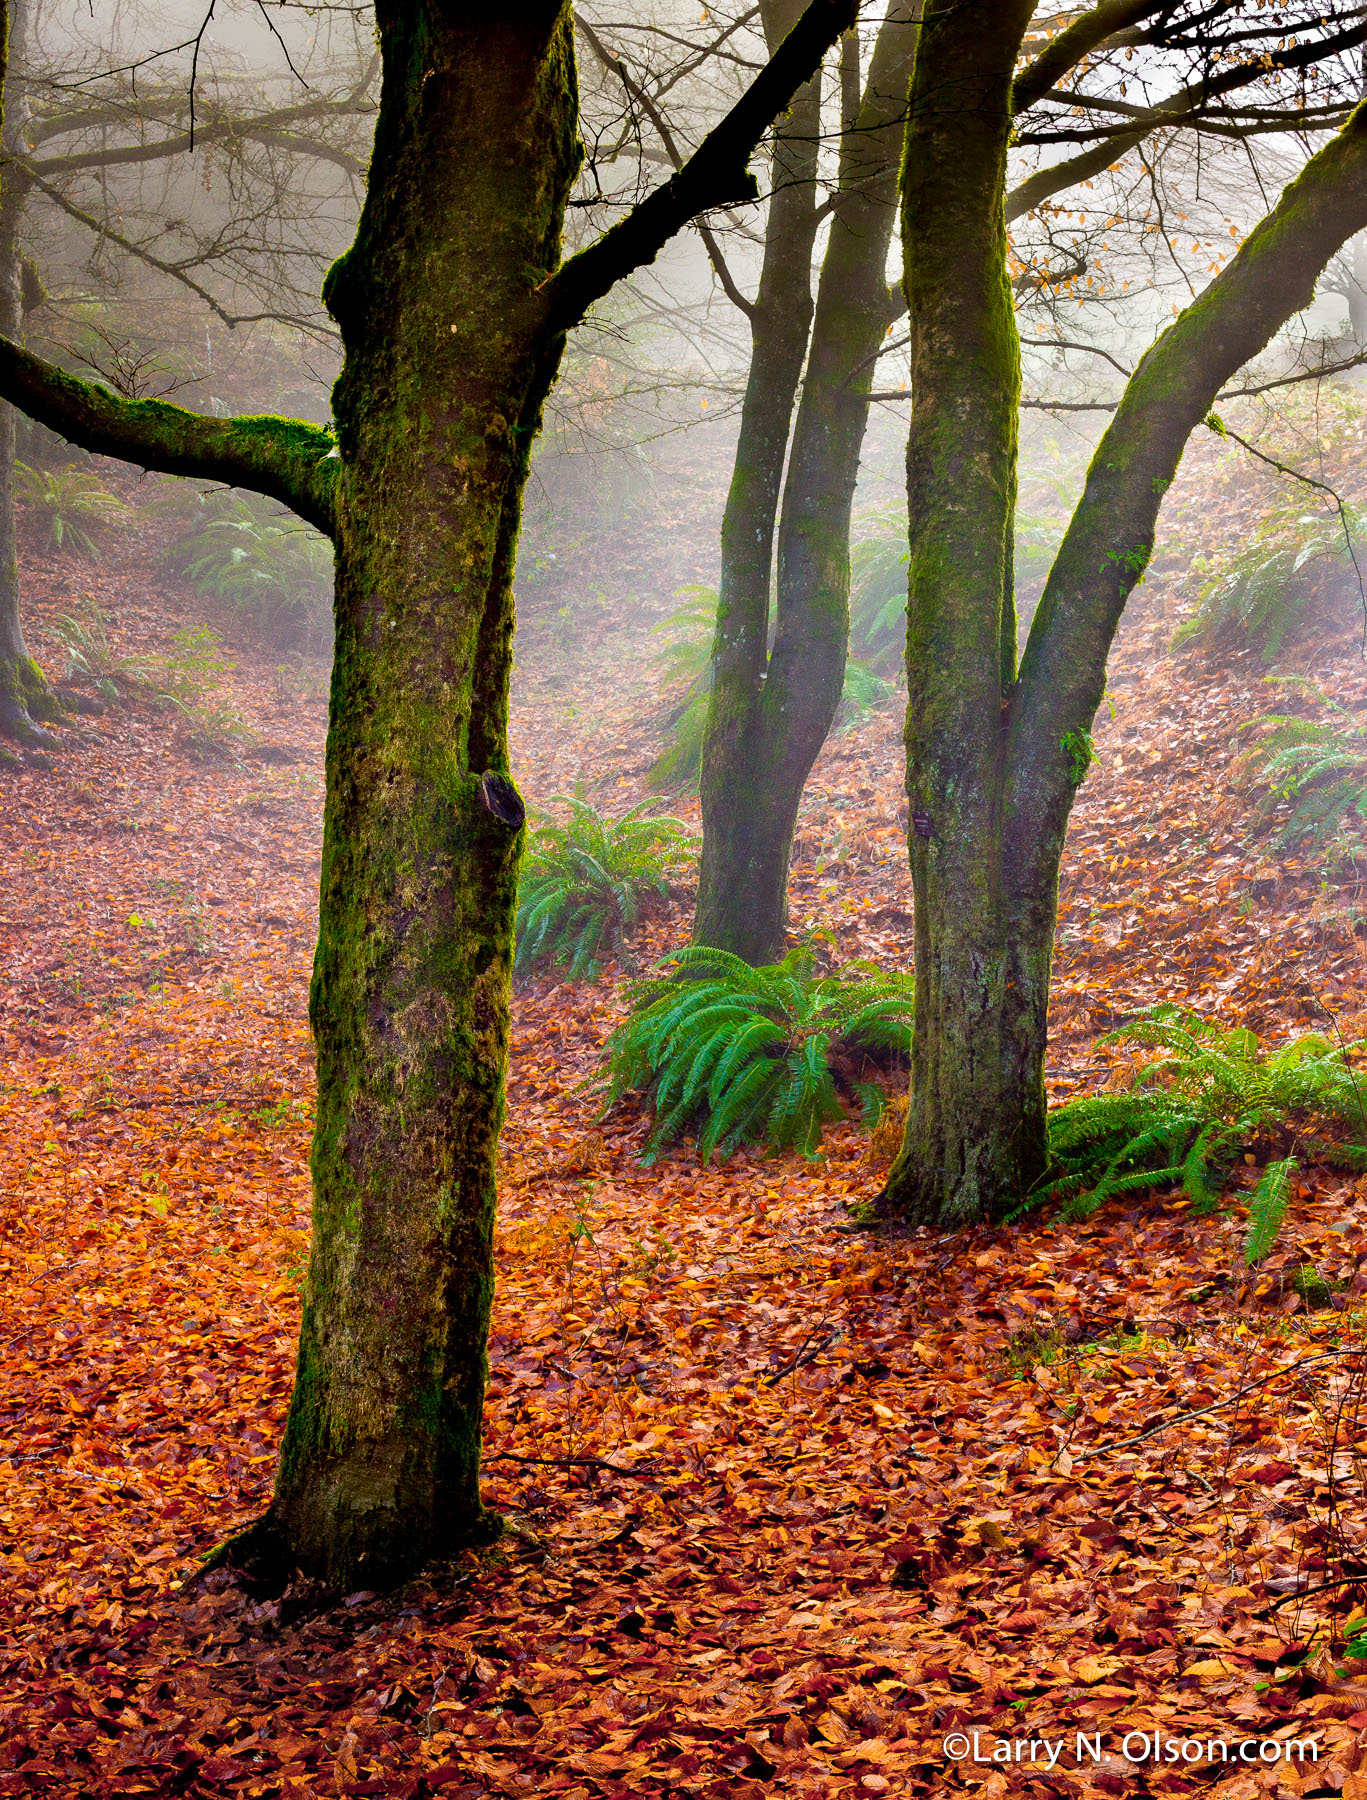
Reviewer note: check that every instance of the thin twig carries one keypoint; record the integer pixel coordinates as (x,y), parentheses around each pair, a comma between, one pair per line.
(1337,1581)
(575,1462)
(803,1355)
(1217,1406)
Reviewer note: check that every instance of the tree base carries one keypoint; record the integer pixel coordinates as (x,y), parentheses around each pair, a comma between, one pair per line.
(25,699)
(912,1196)
(264,1557)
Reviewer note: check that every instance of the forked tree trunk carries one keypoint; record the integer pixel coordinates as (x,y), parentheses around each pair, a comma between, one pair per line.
(770,714)
(436,412)
(743,879)
(995,755)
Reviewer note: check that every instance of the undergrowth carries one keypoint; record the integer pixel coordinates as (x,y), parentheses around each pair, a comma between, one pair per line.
(1319,767)
(586,879)
(91,656)
(1262,593)
(737,1053)
(71,508)
(1212,1094)
(195,676)
(268,565)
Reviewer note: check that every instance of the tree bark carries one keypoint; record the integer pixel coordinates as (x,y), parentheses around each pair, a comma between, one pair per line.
(743,875)
(994,758)
(25,696)
(769,714)
(444,378)
(975,1125)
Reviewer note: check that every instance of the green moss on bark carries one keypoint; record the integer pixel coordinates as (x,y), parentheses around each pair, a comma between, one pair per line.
(974,1133)
(444,378)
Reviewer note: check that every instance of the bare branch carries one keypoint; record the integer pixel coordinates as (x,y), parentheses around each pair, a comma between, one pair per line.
(717,174)
(266,127)
(1181,108)
(636,92)
(1066,50)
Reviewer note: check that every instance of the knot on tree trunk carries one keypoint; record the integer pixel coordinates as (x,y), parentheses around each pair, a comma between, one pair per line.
(498,796)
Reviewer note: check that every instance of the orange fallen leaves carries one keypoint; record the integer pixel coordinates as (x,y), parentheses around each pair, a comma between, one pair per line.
(787,1505)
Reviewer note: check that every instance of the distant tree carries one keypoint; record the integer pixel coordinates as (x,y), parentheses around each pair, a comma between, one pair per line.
(996,745)
(453,306)
(774,694)
(782,634)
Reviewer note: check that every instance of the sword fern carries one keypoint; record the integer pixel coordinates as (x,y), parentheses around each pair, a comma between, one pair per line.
(737,1053)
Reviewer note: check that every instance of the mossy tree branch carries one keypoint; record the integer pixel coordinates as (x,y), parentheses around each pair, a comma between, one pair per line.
(288,459)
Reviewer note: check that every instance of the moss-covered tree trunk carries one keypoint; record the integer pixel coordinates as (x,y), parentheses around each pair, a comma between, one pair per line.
(444,378)
(25,696)
(975,1129)
(995,754)
(452,307)
(771,708)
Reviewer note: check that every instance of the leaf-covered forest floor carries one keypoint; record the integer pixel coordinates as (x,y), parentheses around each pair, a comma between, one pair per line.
(789,1502)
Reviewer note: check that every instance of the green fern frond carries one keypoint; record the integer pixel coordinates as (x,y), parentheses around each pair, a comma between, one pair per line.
(1263,591)
(1267,1209)
(734,1052)
(1211,1093)
(584,880)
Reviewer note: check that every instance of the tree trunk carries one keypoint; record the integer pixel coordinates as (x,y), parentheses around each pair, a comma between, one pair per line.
(453,312)
(436,410)
(25,696)
(975,1128)
(769,717)
(743,876)
(994,757)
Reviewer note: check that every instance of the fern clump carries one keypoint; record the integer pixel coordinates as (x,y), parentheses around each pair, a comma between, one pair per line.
(863,692)
(91,656)
(71,508)
(1319,766)
(263,562)
(585,880)
(1265,588)
(684,664)
(1211,1094)
(737,1053)
(878,595)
